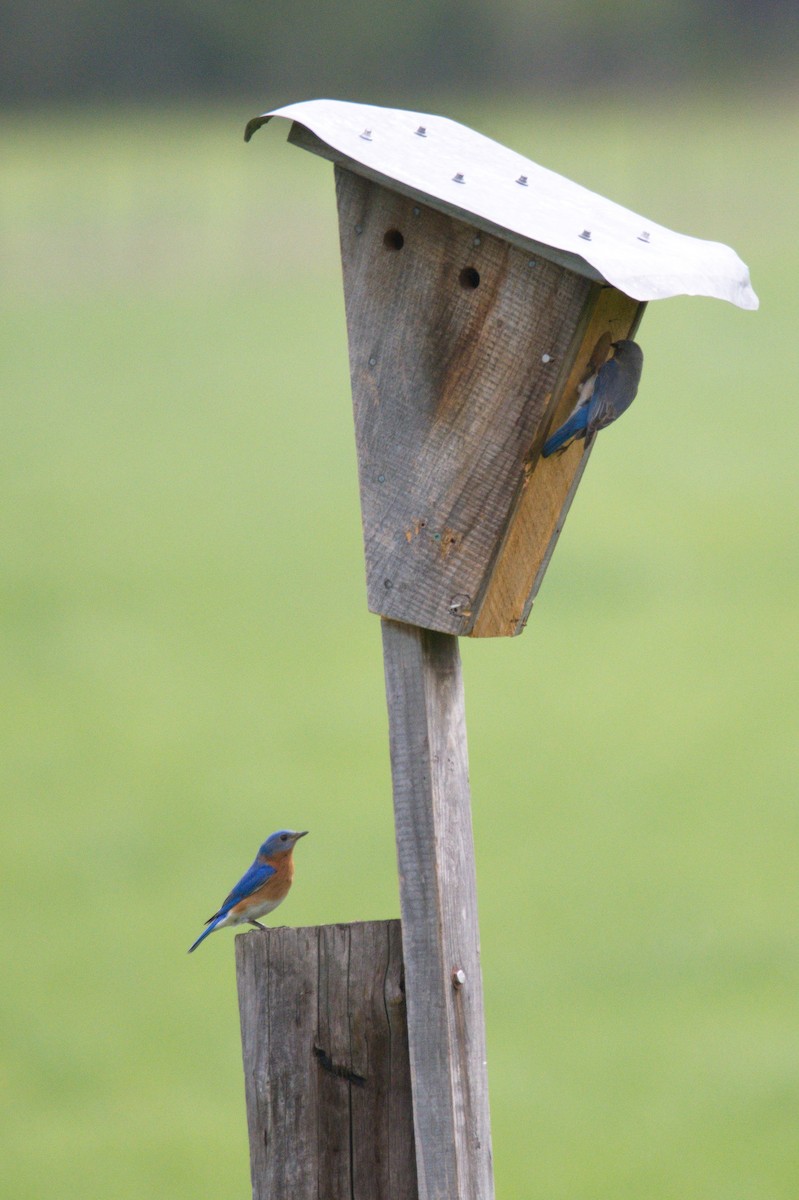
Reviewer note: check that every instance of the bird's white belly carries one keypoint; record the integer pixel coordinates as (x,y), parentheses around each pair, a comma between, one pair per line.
(251,913)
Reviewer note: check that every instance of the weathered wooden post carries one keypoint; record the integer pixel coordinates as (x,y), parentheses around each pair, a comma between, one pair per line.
(480,291)
(326,1069)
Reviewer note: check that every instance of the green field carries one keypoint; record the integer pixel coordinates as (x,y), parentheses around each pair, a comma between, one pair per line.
(188,664)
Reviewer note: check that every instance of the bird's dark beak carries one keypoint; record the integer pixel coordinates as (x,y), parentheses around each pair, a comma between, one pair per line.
(304,833)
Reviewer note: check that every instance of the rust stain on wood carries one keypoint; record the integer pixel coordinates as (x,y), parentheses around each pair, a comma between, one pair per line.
(446,540)
(450,539)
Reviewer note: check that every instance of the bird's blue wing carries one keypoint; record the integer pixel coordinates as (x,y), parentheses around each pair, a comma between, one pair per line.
(255,877)
(573,428)
(616,386)
(603,406)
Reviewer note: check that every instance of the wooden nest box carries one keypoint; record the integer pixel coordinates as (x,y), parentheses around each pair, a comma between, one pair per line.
(481,290)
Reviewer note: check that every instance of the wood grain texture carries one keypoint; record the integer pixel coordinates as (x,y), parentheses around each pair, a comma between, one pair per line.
(327,1077)
(457,339)
(438,895)
(548,485)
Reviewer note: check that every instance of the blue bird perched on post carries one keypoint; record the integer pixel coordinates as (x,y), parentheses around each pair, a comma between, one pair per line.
(261,888)
(603,397)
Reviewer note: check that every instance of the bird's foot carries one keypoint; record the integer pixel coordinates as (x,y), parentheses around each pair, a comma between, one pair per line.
(258,925)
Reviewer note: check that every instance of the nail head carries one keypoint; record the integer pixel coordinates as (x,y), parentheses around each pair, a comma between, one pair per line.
(460,604)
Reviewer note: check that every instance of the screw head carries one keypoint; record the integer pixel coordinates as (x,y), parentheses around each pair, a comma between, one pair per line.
(545,358)
(458,977)
(458,178)
(644,237)
(586,235)
(367,135)
(522,180)
(421,131)
(460,604)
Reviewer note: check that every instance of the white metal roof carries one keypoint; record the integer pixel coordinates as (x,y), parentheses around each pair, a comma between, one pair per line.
(473,176)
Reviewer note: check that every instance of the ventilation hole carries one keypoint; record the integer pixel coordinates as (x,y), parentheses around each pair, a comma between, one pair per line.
(393,240)
(469,278)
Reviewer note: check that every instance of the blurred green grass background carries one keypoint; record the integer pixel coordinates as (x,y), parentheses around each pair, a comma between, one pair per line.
(188,663)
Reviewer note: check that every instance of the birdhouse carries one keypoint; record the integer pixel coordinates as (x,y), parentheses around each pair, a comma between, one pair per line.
(482,292)
(481,289)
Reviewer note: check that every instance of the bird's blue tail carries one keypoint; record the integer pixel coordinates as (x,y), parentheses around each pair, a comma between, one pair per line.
(574,427)
(212,924)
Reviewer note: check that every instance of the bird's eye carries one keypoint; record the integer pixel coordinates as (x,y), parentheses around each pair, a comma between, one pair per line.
(284,837)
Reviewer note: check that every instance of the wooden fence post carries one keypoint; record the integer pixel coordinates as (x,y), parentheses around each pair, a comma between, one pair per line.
(325,1046)
(438,896)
